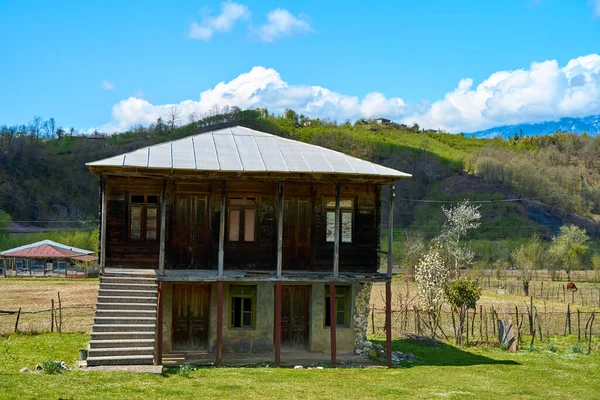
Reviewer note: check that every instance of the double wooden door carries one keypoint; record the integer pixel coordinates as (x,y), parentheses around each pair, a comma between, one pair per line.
(190,328)
(295,311)
(191,231)
(297,218)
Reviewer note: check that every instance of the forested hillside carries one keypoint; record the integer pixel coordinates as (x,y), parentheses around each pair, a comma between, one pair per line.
(525,185)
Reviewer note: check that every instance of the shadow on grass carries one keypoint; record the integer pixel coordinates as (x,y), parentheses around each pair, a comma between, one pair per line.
(441,354)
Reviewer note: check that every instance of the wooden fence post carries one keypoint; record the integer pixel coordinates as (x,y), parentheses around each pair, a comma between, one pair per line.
(578,325)
(59,314)
(52,317)
(373,319)
(17,323)
(590,336)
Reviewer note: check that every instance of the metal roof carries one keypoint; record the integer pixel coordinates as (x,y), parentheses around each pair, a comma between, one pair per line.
(45,249)
(240,149)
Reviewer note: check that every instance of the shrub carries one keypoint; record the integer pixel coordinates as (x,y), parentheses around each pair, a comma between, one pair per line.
(184,371)
(531,348)
(52,367)
(552,347)
(576,348)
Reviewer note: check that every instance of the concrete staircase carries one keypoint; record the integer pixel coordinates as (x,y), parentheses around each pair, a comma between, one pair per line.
(125,322)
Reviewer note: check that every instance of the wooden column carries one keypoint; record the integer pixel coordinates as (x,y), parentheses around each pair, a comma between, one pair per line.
(333,322)
(219,323)
(388,322)
(104,204)
(388,283)
(277,341)
(280,231)
(336,242)
(159,327)
(163,228)
(390,261)
(222,228)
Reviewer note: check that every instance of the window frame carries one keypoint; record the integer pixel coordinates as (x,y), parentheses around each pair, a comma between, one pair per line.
(144,206)
(346,295)
(242,208)
(253,306)
(344,209)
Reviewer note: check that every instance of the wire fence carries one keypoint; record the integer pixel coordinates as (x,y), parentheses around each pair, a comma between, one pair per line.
(56,318)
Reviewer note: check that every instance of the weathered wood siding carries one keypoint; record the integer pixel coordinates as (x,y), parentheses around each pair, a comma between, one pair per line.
(305,244)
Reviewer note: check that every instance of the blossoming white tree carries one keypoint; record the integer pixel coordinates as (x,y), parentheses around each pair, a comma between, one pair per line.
(460,220)
(430,274)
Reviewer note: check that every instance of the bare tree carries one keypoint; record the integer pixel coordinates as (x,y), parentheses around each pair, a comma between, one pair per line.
(50,128)
(36,126)
(172,117)
(193,117)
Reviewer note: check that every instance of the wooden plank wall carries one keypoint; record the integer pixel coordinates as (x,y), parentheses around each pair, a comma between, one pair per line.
(358,256)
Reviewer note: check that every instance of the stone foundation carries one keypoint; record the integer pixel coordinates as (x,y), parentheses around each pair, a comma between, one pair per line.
(361,319)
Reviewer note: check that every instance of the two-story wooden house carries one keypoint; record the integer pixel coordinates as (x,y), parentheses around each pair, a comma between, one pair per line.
(236,242)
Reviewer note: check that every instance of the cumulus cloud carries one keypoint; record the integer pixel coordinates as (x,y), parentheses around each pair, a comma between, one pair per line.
(281,22)
(230,13)
(544,91)
(108,85)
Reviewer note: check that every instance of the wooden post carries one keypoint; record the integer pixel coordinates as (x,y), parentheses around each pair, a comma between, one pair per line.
(578,325)
(277,323)
(390,260)
(52,317)
(163,228)
(280,231)
(219,323)
(590,335)
(373,319)
(17,323)
(59,314)
(333,322)
(336,242)
(222,228)
(158,349)
(388,323)
(103,224)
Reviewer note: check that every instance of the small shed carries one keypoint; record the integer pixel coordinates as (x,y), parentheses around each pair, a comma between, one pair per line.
(46,258)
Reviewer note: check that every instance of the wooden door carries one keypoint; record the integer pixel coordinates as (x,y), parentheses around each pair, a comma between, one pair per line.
(297,219)
(295,311)
(190,328)
(191,231)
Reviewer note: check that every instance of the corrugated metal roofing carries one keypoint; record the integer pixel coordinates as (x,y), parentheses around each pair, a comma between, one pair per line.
(45,249)
(240,149)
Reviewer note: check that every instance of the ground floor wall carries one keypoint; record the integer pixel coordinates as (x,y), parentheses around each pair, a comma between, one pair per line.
(249,325)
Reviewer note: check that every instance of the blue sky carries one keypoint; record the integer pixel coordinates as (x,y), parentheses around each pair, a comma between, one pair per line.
(462,65)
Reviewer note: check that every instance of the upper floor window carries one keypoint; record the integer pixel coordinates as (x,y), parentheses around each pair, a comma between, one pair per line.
(346,213)
(242,219)
(143,217)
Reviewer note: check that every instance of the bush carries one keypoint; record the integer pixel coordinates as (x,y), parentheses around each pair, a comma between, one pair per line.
(52,367)
(552,347)
(530,348)
(184,371)
(576,348)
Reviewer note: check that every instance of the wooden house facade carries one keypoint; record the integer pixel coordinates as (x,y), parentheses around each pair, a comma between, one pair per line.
(235,242)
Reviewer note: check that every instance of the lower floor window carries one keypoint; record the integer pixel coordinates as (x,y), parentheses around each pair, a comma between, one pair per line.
(243,309)
(342,305)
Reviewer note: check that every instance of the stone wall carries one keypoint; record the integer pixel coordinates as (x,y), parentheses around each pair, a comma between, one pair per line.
(361,318)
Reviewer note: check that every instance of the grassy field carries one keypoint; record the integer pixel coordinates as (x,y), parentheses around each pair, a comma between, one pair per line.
(443,371)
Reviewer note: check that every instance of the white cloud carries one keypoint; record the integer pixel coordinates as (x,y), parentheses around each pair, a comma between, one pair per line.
(545,91)
(281,22)
(108,85)
(230,13)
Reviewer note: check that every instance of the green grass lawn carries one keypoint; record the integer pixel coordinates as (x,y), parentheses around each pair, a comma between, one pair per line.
(444,371)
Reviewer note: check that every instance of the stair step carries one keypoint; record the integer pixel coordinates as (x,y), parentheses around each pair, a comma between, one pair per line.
(112,335)
(124,328)
(120,360)
(122,313)
(129,293)
(146,306)
(121,351)
(128,279)
(120,343)
(125,320)
(128,286)
(103,298)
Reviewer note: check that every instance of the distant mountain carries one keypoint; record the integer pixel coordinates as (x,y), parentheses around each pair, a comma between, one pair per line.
(589,124)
